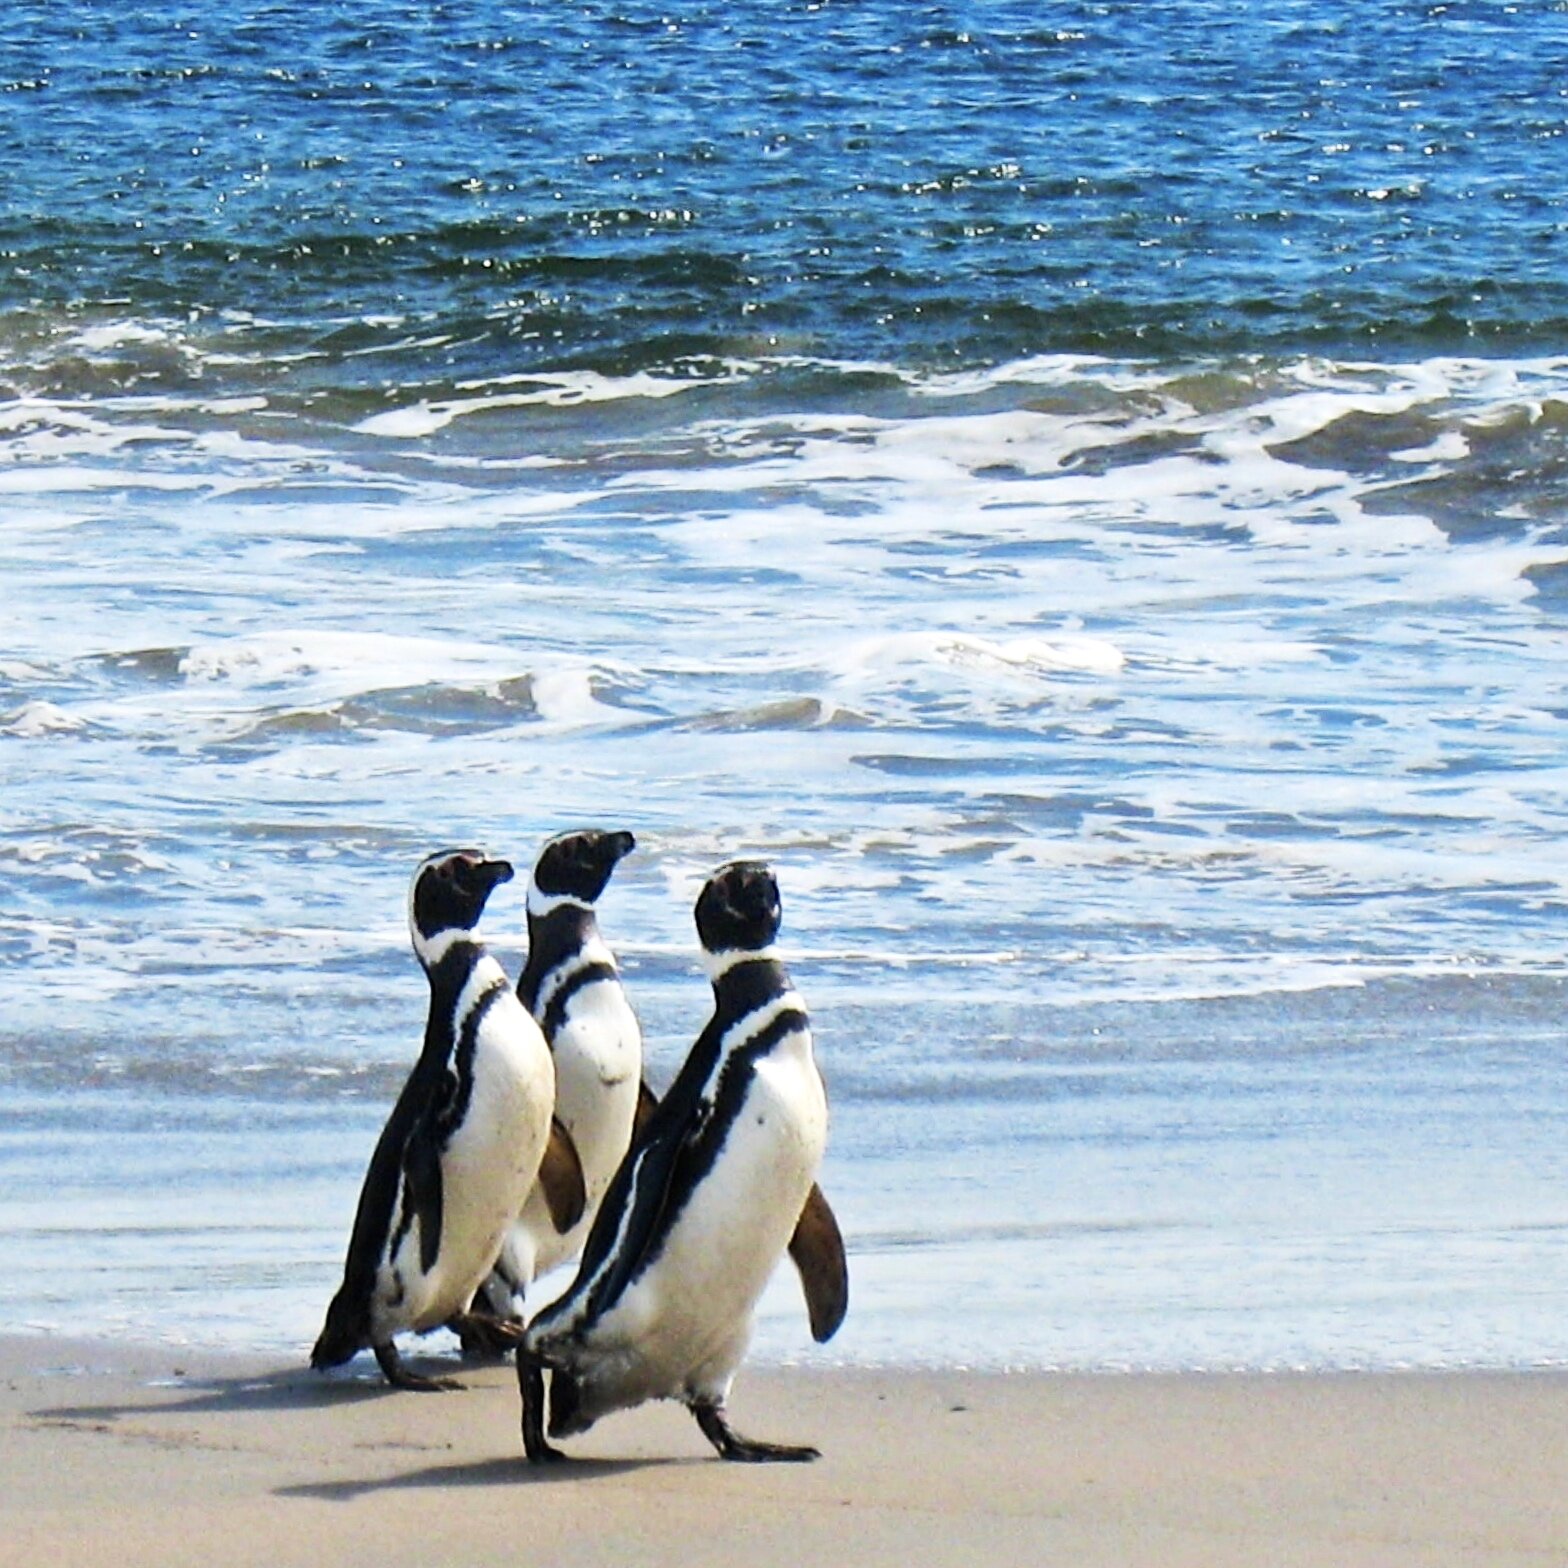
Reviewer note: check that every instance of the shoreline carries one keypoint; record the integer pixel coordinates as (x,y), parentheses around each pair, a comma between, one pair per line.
(173,1455)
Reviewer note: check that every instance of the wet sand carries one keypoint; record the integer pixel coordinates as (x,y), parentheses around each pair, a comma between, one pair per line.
(122,1455)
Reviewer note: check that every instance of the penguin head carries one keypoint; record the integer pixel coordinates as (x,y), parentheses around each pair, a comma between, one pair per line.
(449,895)
(577,865)
(738,909)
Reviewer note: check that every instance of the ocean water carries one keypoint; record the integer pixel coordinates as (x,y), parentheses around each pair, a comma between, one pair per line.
(1079,488)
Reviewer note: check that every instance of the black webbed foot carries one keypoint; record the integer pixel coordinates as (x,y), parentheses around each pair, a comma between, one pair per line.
(398,1375)
(484,1336)
(731,1445)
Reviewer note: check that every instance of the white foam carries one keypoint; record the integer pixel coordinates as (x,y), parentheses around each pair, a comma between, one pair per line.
(116,334)
(278,656)
(968,652)
(1450,447)
(36,719)
(552,391)
(564,696)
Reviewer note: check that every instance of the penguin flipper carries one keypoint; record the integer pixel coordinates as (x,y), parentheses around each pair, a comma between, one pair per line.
(640,1206)
(422,1191)
(344,1334)
(561,1179)
(817,1248)
(647,1104)
(627,1220)
(347,1328)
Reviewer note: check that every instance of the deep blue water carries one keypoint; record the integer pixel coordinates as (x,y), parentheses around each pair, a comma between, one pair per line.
(626,186)
(1080,489)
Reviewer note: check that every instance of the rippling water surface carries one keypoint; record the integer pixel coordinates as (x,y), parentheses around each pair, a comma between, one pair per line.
(1080,490)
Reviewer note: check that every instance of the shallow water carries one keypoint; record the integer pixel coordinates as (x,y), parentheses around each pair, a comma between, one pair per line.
(1151,692)
(1343,1178)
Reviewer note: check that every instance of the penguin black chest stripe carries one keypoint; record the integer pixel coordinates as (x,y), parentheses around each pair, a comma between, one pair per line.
(555,941)
(462,1083)
(720,1117)
(561,994)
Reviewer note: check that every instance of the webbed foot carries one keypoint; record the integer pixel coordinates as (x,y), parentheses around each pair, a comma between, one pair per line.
(731,1445)
(398,1375)
(484,1336)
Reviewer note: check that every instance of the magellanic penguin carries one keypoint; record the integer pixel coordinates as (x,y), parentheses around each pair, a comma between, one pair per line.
(572,988)
(712,1192)
(464,1143)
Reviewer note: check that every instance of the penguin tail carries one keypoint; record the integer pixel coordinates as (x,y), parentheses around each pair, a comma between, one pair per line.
(343,1335)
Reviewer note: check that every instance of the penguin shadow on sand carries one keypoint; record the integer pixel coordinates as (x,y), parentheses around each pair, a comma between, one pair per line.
(504,1469)
(295,1390)
(509,1466)
(289,1388)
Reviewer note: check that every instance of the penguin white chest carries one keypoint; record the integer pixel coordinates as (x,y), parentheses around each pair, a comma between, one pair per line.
(744,1211)
(691,1312)
(598,1073)
(489,1162)
(498,1144)
(598,1063)
(495,1151)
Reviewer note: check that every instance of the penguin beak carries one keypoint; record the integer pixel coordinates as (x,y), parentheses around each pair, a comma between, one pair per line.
(620,845)
(495,872)
(486,875)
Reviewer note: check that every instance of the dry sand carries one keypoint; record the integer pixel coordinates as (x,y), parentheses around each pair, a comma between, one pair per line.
(122,1456)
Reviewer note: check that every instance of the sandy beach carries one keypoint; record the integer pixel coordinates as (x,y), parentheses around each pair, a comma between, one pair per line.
(117,1455)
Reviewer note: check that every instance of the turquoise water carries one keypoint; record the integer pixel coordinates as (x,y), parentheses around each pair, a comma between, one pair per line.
(1080,490)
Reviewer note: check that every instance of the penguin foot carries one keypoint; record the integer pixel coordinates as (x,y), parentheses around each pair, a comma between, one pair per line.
(398,1375)
(484,1336)
(731,1445)
(530,1384)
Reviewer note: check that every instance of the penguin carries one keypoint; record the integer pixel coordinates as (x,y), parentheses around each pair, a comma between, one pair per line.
(719,1183)
(572,988)
(464,1144)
